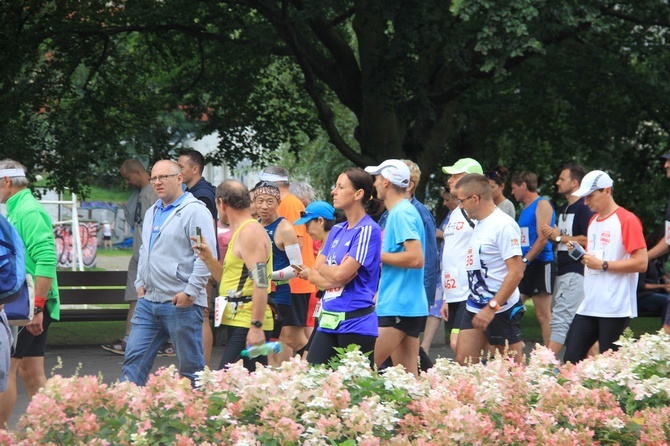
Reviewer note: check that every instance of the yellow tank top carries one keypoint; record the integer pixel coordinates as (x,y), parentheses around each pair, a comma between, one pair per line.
(236,278)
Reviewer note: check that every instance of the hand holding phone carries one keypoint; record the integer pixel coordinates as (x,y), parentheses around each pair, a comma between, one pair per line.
(577,252)
(198,235)
(297,268)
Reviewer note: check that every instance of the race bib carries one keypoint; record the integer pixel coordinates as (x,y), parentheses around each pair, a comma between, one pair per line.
(450,281)
(525,237)
(472,259)
(219,307)
(333,293)
(317,309)
(599,253)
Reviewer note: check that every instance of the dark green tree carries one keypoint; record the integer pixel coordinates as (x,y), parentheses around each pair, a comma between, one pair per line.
(528,83)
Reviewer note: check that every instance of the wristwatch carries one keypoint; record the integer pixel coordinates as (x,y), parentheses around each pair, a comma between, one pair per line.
(605,265)
(495,305)
(559,238)
(257,324)
(525,260)
(191,298)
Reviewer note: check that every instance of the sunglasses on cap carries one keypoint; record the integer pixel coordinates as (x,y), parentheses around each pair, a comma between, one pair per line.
(265,184)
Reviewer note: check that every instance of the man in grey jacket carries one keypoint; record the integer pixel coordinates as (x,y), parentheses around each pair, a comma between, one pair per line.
(170,279)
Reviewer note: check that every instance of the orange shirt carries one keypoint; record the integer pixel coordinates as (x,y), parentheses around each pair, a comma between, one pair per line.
(290,208)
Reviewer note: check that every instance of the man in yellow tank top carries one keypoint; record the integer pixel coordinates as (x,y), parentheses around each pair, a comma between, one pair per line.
(245,275)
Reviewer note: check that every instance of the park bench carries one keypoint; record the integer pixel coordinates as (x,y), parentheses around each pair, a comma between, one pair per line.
(92,295)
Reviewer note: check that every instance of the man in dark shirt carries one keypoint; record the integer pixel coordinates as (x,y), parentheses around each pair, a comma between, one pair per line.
(192,164)
(572,226)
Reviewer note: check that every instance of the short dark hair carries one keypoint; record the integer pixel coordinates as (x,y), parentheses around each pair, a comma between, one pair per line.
(194,157)
(234,194)
(476,184)
(526,177)
(577,171)
(133,165)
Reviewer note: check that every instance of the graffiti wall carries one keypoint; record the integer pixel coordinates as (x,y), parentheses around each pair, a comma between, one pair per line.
(88,233)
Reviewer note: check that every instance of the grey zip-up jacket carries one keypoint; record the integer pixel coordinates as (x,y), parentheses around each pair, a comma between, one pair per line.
(172,266)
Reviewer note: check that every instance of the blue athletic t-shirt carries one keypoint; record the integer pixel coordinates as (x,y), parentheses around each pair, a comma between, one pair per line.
(401,290)
(363,244)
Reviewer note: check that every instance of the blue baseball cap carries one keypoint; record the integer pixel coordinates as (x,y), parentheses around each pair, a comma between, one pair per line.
(315,210)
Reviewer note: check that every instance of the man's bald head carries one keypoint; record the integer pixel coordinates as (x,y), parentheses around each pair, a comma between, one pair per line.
(234,194)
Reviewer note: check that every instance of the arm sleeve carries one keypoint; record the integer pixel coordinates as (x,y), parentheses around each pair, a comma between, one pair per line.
(294,258)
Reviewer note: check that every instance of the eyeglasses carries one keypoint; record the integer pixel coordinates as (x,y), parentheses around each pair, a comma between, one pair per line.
(461,201)
(162,178)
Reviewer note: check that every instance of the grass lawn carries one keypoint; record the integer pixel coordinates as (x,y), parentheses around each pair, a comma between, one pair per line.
(103,194)
(116,252)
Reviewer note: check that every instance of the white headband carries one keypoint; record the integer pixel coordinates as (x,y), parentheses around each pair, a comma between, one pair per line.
(272,177)
(12,173)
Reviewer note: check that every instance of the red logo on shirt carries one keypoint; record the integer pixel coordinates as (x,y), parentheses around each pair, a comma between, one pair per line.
(605,238)
(459,225)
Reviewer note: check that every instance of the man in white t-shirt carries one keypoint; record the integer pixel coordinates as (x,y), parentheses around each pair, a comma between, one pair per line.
(616,253)
(494,270)
(457,235)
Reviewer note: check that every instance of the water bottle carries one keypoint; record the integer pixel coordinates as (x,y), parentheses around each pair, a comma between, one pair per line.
(262,350)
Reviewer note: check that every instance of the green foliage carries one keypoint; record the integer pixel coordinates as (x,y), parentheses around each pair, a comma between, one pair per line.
(527,83)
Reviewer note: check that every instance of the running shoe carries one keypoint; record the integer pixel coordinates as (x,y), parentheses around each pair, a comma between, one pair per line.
(117,347)
(167,350)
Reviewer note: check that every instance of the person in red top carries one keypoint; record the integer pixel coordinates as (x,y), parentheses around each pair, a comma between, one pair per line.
(293,330)
(615,253)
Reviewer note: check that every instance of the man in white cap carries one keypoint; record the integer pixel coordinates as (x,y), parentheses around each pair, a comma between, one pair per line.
(615,253)
(402,304)
(457,235)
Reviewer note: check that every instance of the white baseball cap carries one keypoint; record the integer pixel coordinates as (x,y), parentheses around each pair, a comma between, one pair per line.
(592,181)
(395,171)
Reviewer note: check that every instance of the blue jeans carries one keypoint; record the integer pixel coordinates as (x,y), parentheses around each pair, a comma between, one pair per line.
(152,325)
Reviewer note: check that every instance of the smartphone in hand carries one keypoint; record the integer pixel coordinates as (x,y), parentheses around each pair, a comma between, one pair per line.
(198,235)
(298,268)
(577,252)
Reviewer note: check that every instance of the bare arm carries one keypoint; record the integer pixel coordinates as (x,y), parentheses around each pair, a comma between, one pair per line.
(339,275)
(205,254)
(551,233)
(315,276)
(411,257)
(515,268)
(660,249)
(637,263)
(542,217)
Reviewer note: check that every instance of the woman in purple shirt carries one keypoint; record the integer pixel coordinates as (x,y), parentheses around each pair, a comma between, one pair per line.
(348,269)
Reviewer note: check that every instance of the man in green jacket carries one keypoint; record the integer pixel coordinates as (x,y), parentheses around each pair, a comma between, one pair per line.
(35,228)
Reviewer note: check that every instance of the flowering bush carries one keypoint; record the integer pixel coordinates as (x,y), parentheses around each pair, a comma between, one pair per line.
(616,398)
